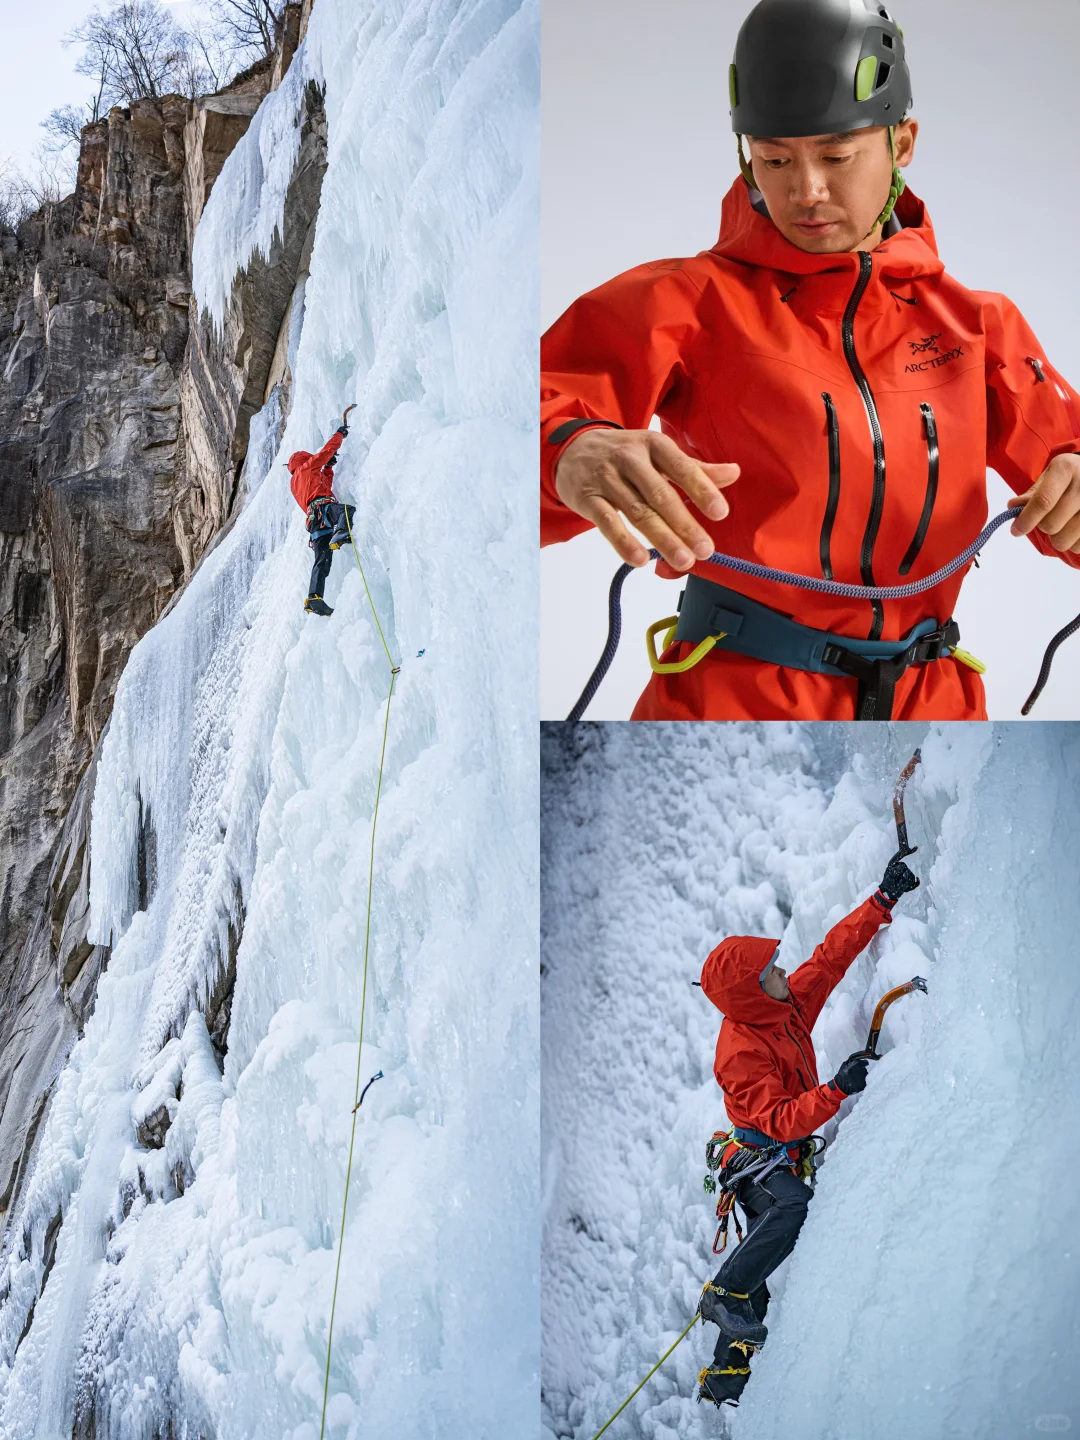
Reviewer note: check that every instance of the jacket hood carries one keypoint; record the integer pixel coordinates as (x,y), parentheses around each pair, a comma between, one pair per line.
(300,458)
(750,238)
(731,978)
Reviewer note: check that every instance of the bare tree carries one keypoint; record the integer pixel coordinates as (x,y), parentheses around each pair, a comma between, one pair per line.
(248,28)
(132,51)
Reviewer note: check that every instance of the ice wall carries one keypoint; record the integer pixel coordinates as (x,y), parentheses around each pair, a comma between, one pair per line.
(183,1206)
(934,1290)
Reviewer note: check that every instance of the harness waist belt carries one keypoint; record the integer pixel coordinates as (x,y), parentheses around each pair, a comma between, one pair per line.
(746,1136)
(762,633)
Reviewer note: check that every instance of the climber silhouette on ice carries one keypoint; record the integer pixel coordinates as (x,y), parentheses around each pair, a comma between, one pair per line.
(766,1067)
(329,522)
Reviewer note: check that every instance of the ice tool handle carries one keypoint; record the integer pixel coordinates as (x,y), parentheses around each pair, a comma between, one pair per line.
(821,587)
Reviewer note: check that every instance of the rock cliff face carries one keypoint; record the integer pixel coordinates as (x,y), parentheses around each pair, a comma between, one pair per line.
(124,424)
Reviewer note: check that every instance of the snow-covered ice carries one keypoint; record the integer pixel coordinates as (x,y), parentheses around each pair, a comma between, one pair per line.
(190,1284)
(935,1289)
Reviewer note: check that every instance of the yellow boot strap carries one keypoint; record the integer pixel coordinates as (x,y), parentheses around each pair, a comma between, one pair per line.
(966,658)
(675,667)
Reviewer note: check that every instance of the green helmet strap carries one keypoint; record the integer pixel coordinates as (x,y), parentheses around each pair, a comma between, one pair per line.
(895,190)
(744,165)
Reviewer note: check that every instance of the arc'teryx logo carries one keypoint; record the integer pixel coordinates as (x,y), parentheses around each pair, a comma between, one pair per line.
(927,345)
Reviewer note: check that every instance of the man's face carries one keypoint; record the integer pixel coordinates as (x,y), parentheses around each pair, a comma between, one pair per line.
(775,982)
(824,192)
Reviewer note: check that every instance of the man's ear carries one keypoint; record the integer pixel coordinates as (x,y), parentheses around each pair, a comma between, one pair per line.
(904,141)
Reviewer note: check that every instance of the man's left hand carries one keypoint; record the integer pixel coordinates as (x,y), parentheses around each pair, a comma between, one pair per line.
(1052,505)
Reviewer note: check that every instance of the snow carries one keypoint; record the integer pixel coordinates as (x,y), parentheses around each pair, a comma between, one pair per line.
(233,815)
(934,1288)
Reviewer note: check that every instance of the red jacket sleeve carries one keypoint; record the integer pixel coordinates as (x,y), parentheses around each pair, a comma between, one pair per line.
(1029,419)
(814,981)
(332,446)
(613,355)
(760,1093)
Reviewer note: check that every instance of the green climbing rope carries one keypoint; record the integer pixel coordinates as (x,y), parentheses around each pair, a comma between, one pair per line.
(394,670)
(648,1377)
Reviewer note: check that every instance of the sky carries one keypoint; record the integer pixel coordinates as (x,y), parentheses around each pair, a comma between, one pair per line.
(37,73)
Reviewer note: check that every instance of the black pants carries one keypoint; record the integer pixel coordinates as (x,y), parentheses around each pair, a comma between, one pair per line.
(776,1210)
(335,515)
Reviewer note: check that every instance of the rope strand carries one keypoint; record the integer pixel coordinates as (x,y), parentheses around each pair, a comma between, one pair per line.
(648,1377)
(818,586)
(394,670)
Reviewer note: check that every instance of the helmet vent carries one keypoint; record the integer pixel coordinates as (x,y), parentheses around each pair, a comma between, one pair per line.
(887,41)
(882,75)
(884,13)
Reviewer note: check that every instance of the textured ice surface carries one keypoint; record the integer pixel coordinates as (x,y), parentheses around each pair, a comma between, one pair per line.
(191,1281)
(935,1289)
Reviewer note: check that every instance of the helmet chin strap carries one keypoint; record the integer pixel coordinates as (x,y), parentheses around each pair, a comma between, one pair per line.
(895,190)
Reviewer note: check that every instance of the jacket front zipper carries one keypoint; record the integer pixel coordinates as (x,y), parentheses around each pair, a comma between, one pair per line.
(798,1042)
(877,504)
(930,425)
(833,425)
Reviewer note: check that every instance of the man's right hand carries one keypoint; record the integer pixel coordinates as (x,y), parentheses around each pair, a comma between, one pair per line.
(605,474)
(851,1077)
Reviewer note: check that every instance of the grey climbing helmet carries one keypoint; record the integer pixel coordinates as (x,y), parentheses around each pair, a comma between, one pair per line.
(816,67)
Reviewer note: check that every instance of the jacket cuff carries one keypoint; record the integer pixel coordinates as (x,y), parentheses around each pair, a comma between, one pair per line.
(883,901)
(556,435)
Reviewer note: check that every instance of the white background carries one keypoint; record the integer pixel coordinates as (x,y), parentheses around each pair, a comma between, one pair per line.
(637,155)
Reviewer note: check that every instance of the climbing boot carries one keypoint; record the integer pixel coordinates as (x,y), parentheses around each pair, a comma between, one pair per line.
(722,1386)
(733,1313)
(316,605)
(339,540)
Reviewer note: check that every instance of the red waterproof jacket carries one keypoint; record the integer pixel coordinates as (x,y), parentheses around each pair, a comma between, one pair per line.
(765,1061)
(312,479)
(741,352)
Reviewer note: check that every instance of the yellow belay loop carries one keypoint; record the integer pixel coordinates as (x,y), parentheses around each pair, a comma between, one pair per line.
(394,672)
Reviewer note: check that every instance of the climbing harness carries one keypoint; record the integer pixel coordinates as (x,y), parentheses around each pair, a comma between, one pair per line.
(648,1377)
(755,1158)
(358,1096)
(876,668)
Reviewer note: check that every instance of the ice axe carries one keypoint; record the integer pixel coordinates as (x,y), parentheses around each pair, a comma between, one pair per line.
(915,983)
(898,808)
(345,416)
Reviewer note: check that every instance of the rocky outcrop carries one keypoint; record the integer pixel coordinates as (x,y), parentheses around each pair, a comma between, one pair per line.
(230,369)
(124,424)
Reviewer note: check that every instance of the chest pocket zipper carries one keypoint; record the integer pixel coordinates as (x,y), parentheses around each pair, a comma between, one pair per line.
(930,427)
(833,426)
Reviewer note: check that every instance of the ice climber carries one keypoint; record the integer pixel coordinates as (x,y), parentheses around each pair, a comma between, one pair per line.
(766,1067)
(329,522)
(820,351)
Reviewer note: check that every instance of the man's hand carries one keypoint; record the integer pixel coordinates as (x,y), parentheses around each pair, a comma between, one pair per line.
(851,1077)
(897,880)
(603,472)
(1052,505)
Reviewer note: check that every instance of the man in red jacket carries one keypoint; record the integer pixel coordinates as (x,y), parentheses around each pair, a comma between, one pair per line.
(329,523)
(766,1067)
(820,355)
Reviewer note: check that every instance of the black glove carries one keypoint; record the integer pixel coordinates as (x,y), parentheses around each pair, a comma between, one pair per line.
(342,429)
(330,463)
(851,1077)
(897,880)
